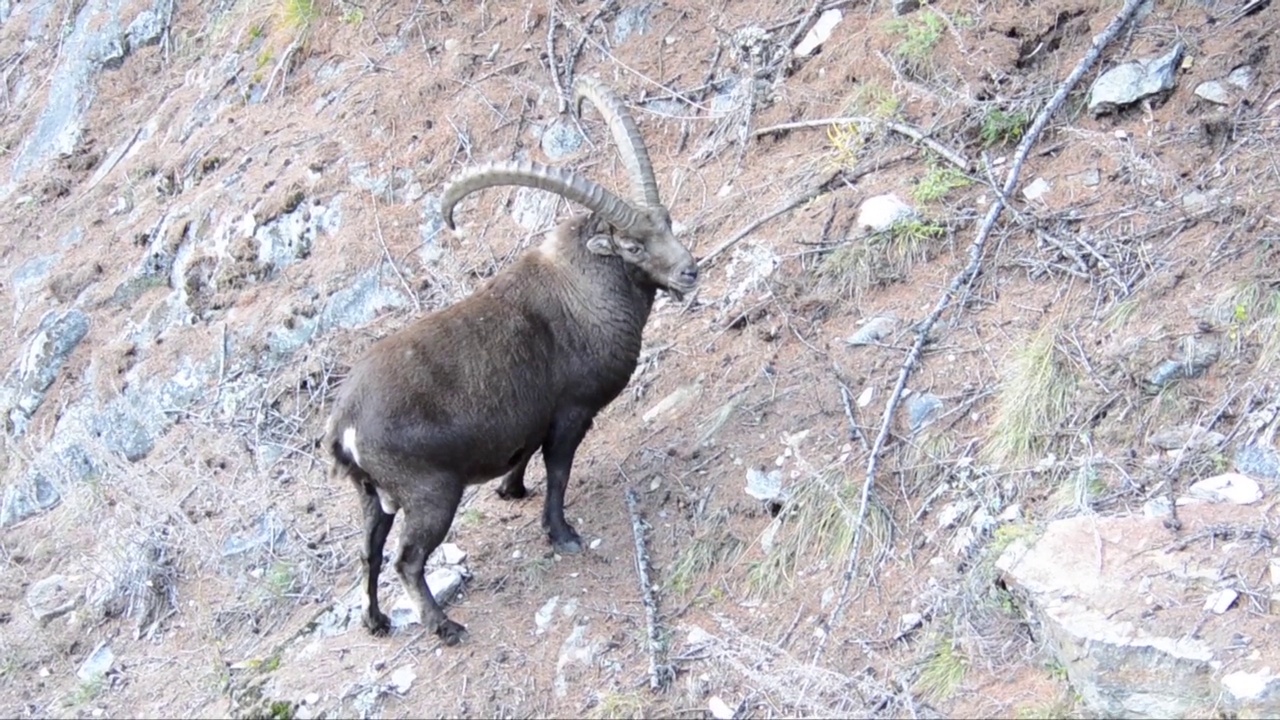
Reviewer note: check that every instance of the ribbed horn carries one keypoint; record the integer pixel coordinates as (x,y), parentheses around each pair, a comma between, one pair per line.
(625,135)
(566,184)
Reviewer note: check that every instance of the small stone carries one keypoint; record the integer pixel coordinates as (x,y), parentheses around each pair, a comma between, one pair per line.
(402,679)
(1258,460)
(864,397)
(542,618)
(1157,508)
(909,621)
(1248,685)
(949,515)
(561,140)
(698,636)
(53,597)
(873,330)
(1231,488)
(1220,601)
(1192,437)
(1241,77)
(1215,92)
(595,544)
(452,554)
(819,33)
(880,212)
(311,698)
(922,409)
(1037,189)
(1274,567)
(96,666)
(1128,83)
(764,486)
(905,7)
(719,709)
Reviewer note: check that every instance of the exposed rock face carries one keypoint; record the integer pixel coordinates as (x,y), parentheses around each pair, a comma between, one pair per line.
(1125,604)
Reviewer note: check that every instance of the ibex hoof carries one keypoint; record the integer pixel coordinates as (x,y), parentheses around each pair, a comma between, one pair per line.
(377,623)
(450,632)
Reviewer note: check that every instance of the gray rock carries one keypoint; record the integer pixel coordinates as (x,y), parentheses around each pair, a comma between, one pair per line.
(1131,82)
(27,383)
(1241,77)
(361,302)
(1195,201)
(54,597)
(1258,460)
(666,106)
(444,583)
(25,498)
(1233,488)
(766,486)
(268,533)
(122,428)
(98,664)
(872,331)
(1194,357)
(534,209)
(922,409)
(29,276)
(542,619)
(146,29)
(290,237)
(284,340)
(1091,177)
(1192,437)
(561,139)
(59,128)
(430,231)
(576,661)
(132,422)
(632,20)
(905,7)
(112,52)
(1083,583)
(1215,92)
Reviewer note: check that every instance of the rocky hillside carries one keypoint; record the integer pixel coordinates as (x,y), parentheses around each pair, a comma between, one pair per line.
(973,413)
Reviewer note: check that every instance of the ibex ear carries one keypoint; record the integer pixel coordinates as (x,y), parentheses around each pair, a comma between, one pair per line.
(601,245)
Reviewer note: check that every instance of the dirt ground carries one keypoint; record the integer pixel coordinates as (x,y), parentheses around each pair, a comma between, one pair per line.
(1157,230)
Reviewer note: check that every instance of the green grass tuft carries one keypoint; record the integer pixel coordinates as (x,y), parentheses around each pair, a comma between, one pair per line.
(943,671)
(1032,402)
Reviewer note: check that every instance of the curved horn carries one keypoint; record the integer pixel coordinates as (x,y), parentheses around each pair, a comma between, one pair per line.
(568,185)
(625,135)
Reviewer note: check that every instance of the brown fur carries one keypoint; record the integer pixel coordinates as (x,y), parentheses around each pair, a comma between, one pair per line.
(469,393)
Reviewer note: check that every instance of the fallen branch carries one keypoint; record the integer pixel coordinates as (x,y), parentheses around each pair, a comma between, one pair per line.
(572,61)
(826,183)
(963,279)
(914,133)
(660,674)
(552,66)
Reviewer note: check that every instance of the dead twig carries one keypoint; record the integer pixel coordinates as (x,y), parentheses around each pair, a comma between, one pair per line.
(963,280)
(377,224)
(951,156)
(660,674)
(552,66)
(571,62)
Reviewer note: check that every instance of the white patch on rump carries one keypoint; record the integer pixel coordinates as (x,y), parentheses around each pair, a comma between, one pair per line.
(349,444)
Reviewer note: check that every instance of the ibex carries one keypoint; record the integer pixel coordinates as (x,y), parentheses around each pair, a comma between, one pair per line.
(468,393)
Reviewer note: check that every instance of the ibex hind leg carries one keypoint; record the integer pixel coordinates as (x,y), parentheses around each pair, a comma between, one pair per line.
(428,515)
(377,526)
(512,486)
